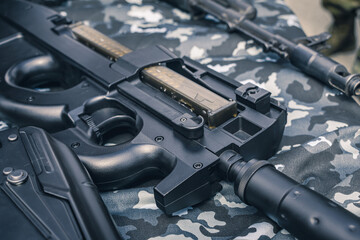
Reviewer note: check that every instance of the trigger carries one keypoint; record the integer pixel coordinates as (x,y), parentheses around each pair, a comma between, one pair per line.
(107,124)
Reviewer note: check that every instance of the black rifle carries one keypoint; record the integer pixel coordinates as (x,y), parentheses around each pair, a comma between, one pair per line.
(135,115)
(237,14)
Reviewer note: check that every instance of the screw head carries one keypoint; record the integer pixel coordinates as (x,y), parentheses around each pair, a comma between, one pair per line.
(17,177)
(352,228)
(296,194)
(197,165)
(75,145)
(159,139)
(7,170)
(30,99)
(12,137)
(314,220)
(85,84)
(183,119)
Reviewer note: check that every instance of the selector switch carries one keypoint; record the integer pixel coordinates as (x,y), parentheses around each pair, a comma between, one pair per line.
(253,97)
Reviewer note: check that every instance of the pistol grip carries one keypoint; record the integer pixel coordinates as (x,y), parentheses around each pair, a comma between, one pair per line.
(128,166)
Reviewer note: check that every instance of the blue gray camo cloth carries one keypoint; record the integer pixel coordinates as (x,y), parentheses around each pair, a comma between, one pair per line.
(321,143)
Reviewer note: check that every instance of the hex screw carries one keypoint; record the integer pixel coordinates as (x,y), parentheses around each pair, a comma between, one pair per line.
(85,84)
(198,165)
(12,137)
(159,139)
(30,99)
(75,145)
(183,119)
(7,170)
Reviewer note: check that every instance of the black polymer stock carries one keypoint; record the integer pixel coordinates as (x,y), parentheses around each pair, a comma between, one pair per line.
(301,53)
(134,115)
(45,191)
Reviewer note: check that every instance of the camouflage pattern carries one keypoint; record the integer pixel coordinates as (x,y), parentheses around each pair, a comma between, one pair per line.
(321,143)
(343,28)
(340,8)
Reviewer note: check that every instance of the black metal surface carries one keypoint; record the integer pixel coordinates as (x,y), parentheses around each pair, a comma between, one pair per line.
(301,211)
(124,130)
(56,199)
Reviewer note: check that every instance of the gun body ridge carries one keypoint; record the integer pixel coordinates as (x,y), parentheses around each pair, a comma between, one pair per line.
(46,192)
(135,115)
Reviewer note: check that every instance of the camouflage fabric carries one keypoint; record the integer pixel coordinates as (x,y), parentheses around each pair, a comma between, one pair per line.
(343,28)
(340,8)
(321,143)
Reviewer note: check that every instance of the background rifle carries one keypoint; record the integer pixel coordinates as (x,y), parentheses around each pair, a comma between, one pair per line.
(237,14)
